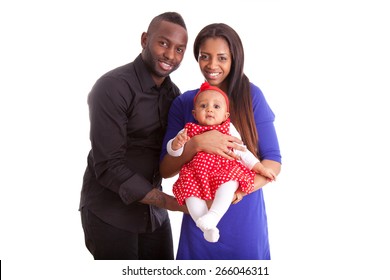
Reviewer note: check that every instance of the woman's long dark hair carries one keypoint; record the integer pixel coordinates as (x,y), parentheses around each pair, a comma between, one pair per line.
(241,110)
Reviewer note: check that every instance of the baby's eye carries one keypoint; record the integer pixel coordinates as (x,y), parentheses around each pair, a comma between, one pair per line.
(217,106)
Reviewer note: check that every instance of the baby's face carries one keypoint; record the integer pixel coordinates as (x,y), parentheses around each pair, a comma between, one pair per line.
(210,108)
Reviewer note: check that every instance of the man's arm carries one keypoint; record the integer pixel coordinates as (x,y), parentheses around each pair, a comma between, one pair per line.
(162,200)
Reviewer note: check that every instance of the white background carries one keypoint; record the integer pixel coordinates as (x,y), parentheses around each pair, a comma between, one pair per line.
(324,67)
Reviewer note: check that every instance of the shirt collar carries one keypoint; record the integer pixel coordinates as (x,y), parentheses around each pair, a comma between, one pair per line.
(145,77)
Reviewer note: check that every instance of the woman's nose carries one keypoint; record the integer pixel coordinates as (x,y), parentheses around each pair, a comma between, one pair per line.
(212,64)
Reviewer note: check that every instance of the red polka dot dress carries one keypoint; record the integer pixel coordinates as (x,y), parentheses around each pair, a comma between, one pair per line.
(202,176)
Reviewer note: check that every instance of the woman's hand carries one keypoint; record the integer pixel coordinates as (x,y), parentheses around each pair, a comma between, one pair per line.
(217,143)
(259,181)
(213,142)
(238,195)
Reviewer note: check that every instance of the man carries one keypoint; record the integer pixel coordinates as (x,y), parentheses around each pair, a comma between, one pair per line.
(123,208)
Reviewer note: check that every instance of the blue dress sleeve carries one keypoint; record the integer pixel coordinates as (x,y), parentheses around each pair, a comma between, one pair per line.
(264,117)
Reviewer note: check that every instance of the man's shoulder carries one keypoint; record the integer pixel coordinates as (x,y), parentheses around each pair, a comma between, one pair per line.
(121,71)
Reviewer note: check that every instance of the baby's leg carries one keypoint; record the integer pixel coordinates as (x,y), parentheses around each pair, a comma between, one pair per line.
(198,208)
(223,199)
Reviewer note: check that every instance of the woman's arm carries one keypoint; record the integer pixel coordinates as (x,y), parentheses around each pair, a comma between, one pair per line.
(213,142)
(170,166)
(260,181)
(269,150)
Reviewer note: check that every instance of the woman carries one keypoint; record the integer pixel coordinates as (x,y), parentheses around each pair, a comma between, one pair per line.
(244,232)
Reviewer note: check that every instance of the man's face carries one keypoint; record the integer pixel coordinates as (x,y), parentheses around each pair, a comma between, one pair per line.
(163,49)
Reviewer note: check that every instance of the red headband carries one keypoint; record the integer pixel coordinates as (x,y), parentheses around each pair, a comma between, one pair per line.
(206,86)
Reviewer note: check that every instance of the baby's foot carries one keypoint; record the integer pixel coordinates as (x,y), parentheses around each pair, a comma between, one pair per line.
(208,221)
(211,235)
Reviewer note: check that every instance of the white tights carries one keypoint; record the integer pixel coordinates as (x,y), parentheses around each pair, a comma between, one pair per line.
(206,219)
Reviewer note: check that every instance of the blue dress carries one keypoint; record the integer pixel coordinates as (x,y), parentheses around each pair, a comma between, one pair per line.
(243,229)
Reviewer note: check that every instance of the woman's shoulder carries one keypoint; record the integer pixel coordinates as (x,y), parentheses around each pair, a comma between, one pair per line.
(257,95)
(186,98)
(255,90)
(189,94)
(183,104)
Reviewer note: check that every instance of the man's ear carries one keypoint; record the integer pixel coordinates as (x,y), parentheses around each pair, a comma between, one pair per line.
(144,39)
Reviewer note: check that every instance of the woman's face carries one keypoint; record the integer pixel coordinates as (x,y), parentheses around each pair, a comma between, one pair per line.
(215,61)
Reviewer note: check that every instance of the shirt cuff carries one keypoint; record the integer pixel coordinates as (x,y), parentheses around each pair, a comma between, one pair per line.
(171,152)
(134,189)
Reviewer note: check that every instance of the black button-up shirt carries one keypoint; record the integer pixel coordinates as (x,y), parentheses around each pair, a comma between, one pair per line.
(128,116)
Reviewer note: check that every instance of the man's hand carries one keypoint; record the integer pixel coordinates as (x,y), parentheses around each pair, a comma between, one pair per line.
(162,200)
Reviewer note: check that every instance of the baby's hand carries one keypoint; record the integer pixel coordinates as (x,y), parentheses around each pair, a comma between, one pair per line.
(180,140)
(264,171)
